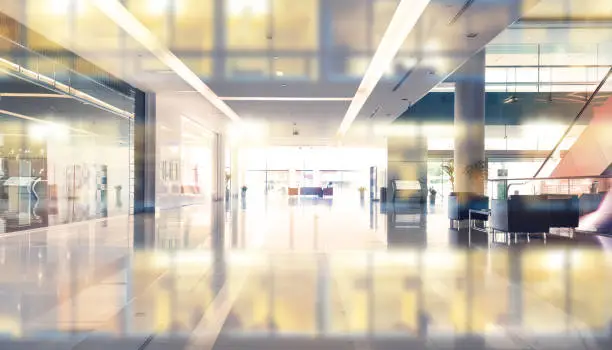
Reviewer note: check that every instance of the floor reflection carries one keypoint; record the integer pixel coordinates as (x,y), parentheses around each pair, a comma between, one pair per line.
(308,275)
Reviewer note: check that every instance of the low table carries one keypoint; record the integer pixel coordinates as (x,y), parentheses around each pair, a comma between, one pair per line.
(471,223)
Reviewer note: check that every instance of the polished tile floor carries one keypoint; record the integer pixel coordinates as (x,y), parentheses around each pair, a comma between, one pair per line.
(282,273)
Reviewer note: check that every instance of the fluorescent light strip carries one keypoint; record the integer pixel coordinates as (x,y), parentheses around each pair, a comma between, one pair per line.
(298,99)
(27,95)
(115,11)
(60,86)
(404,19)
(42,121)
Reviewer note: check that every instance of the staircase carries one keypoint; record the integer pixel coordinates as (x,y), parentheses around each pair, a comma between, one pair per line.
(591,154)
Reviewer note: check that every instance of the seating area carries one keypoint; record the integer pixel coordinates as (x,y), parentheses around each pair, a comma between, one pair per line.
(460,203)
(526,214)
(311,191)
(534,214)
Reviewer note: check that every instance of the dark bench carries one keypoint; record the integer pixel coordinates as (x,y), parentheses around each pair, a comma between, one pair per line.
(460,203)
(534,214)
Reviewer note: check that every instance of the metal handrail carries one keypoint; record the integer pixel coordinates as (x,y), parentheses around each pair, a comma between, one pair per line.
(553,178)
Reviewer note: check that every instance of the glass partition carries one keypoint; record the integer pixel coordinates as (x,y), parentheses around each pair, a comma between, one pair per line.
(66,142)
(592,193)
(23,63)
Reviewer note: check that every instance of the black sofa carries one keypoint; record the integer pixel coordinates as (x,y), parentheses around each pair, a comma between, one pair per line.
(460,203)
(564,210)
(534,214)
(528,214)
(589,202)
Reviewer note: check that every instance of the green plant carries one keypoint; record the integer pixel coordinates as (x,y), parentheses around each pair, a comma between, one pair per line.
(448,168)
(362,189)
(478,171)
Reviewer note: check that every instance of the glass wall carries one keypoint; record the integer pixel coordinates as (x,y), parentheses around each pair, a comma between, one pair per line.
(278,168)
(62,167)
(184,161)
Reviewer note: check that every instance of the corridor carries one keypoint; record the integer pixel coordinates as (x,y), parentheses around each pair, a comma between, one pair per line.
(304,274)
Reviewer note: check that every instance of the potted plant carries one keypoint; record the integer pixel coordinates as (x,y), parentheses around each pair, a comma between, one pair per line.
(432,195)
(228,178)
(448,168)
(478,172)
(118,202)
(362,192)
(244,190)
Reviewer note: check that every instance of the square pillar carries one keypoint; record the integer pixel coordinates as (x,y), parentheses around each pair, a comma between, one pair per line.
(219,168)
(144,152)
(469,153)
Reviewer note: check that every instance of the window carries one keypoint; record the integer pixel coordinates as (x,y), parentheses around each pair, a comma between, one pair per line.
(194,25)
(383,11)
(349,24)
(247,24)
(200,66)
(292,68)
(248,68)
(153,15)
(295,24)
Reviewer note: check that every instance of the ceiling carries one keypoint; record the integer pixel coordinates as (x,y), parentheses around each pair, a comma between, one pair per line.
(24,104)
(264,50)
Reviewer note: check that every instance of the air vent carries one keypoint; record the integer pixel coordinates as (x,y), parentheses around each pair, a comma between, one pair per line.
(374,112)
(403,79)
(462,10)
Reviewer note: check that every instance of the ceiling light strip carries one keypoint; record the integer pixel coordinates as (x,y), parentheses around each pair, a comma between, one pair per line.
(114,10)
(32,95)
(42,121)
(404,19)
(23,73)
(296,99)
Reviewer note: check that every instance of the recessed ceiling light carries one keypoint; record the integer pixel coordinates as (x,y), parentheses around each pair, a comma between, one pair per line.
(283,85)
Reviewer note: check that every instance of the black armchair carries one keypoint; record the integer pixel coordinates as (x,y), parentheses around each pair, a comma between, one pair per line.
(460,203)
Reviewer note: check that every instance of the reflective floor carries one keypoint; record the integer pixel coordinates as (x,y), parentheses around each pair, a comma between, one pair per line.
(282,273)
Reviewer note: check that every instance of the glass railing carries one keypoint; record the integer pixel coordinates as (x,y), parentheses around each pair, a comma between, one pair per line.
(579,185)
(588,145)
(25,64)
(593,194)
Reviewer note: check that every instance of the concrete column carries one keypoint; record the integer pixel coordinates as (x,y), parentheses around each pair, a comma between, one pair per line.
(144,152)
(219,168)
(470,123)
(235,172)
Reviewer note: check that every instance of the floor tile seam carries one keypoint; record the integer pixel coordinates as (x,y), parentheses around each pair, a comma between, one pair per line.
(61,302)
(358,344)
(574,321)
(122,308)
(110,269)
(204,338)
(59,227)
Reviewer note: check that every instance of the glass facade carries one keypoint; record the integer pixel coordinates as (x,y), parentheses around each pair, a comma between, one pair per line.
(279,168)
(66,139)
(63,167)
(184,162)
